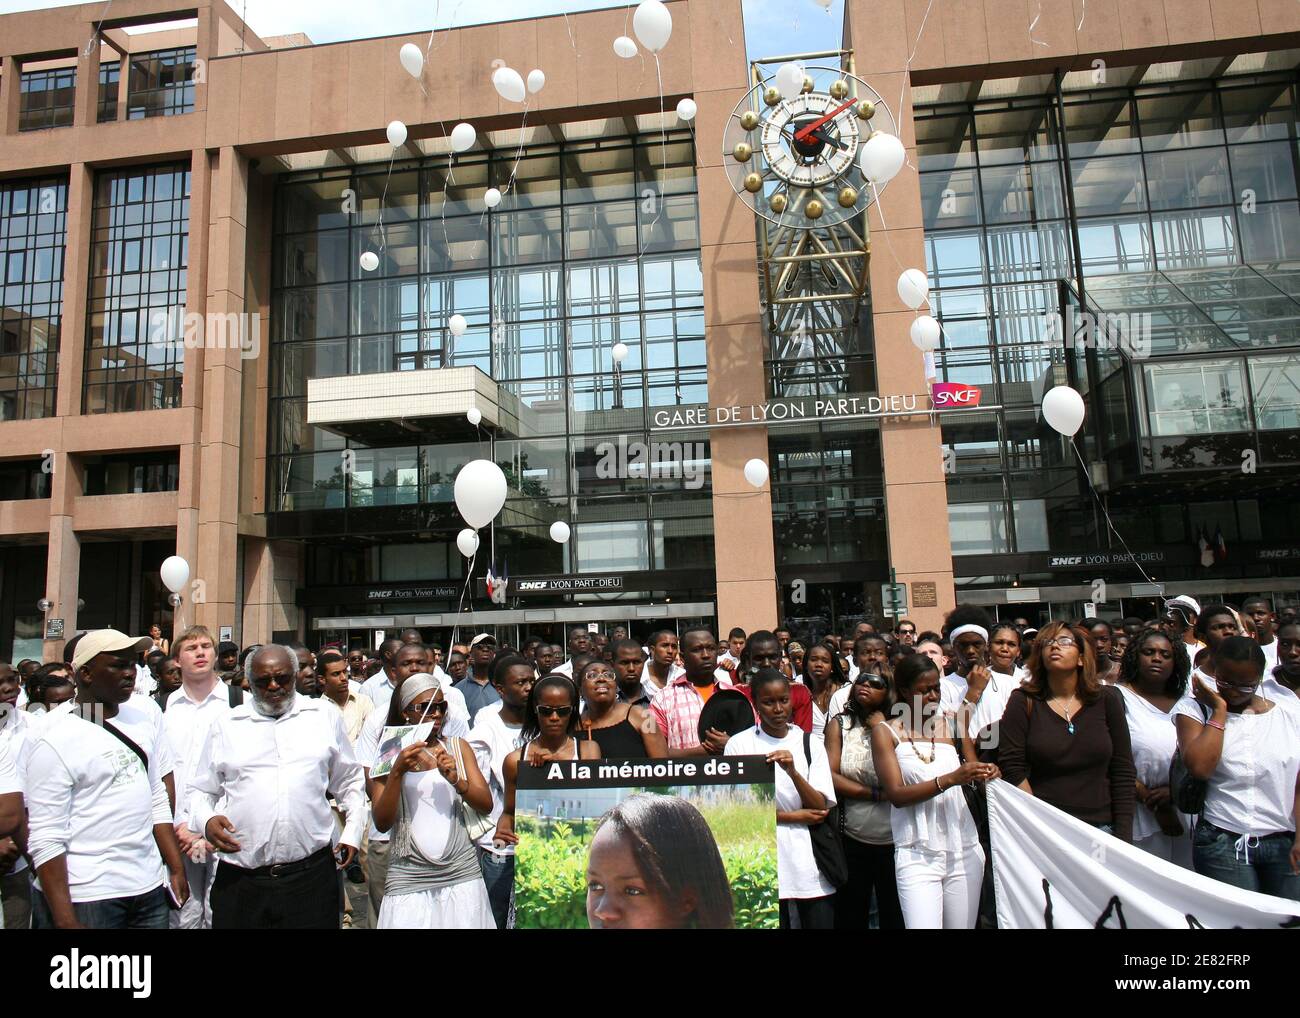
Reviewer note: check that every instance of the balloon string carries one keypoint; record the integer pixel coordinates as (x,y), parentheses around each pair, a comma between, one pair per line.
(460,605)
(1087,476)
(663,136)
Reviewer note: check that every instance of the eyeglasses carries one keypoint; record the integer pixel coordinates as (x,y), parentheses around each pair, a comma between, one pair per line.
(1235,688)
(264,681)
(870,679)
(1060,641)
(543,711)
(907,632)
(431,708)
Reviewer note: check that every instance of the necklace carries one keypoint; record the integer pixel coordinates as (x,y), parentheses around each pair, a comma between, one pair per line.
(1065,709)
(917,749)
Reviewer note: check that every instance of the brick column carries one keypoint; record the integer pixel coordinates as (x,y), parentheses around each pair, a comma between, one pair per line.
(63,561)
(10,95)
(76,288)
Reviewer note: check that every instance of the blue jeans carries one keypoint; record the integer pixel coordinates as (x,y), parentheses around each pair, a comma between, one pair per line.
(499,876)
(141,912)
(1223,855)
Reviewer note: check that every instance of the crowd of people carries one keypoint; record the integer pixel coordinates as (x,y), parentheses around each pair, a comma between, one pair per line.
(197,784)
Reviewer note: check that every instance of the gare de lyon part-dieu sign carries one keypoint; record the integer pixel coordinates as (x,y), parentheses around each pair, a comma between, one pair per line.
(944,397)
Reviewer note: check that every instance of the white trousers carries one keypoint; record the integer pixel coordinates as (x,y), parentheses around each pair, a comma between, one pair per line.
(197,913)
(939,890)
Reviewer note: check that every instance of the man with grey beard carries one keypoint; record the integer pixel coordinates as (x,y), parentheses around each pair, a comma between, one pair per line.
(273,760)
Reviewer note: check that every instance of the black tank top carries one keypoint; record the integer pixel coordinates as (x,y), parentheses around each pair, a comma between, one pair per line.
(620,740)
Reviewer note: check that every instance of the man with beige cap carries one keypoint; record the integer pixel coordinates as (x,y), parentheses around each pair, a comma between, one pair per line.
(100,824)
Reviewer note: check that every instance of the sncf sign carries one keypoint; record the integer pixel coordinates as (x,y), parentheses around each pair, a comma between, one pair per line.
(950,394)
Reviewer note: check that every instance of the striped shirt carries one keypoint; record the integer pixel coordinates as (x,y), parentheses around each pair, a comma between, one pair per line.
(676,710)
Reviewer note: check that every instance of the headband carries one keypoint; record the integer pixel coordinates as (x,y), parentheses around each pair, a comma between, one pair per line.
(414,686)
(969,628)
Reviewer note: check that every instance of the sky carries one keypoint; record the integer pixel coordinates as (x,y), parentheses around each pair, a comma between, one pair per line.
(772,27)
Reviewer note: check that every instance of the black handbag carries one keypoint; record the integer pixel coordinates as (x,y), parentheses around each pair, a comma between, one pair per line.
(1189,790)
(976,793)
(828,849)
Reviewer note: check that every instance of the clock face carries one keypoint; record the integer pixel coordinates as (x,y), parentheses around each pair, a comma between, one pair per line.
(794,161)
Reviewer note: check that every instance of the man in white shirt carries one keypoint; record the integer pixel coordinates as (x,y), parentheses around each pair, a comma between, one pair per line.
(202,698)
(661,667)
(1261,614)
(269,765)
(729,661)
(579,643)
(100,825)
(496,735)
(13,820)
(378,689)
(16,729)
(410,660)
(1282,684)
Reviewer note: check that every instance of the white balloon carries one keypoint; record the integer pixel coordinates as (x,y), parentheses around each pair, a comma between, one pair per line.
(536,81)
(509,84)
(620,352)
(913,288)
(480,491)
(463,137)
(474,415)
(789,80)
(686,109)
(1063,409)
(491,197)
(397,134)
(826,4)
(756,473)
(412,59)
(925,333)
(882,157)
(175,573)
(467,542)
(652,24)
(457,325)
(560,532)
(624,47)
(369,261)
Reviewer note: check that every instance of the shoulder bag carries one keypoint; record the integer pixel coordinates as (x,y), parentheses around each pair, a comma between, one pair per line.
(1188,790)
(828,849)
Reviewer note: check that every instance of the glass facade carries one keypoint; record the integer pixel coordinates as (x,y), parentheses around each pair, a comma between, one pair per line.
(110,74)
(1180,182)
(135,351)
(46,98)
(33,232)
(160,84)
(593,244)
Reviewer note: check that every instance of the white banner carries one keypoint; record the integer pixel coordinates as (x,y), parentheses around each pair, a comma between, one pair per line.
(1051,871)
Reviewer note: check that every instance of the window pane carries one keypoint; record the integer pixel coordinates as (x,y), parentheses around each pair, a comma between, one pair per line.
(1188,179)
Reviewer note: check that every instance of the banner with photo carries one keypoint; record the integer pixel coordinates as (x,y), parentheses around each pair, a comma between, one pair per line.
(646,844)
(1051,871)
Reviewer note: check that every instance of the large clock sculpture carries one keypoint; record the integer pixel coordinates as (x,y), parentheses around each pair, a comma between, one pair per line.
(794,162)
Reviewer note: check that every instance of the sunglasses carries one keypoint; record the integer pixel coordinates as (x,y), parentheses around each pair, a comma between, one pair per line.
(543,711)
(872,680)
(427,708)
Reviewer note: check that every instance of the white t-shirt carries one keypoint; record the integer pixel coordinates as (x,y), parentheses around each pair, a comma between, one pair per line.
(651,687)
(1270,655)
(9,780)
(90,799)
(796,869)
(1273,690)
(1155,740)
(367,745)
(141,721)
(186,722)
(493,740)
(1252,790)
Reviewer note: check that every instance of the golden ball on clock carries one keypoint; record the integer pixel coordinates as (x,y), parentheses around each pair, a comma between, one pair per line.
(848,197)
(771,96)
(839,89)
(753,182)
(814,209)
(749,120)
(807,83)
(866,109)
(742,151)
(778,203)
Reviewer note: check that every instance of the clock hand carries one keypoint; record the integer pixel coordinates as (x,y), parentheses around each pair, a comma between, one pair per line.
(803,132)
(820,133)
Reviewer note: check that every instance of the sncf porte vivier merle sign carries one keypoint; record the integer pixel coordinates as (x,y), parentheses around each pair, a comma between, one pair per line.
(943,396)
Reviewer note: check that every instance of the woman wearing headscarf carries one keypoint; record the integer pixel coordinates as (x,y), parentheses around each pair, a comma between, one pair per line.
(434,880)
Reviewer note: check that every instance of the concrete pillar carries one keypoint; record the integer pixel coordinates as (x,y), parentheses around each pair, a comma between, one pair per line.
(76,284)
(63,561)
(742,517)
(916,496)
(223,363)
(10,94)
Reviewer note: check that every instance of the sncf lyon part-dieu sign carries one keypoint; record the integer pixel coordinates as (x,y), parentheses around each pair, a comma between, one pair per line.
(943,396)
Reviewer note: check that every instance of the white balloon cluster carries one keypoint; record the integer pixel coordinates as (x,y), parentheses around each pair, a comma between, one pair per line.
(914,290)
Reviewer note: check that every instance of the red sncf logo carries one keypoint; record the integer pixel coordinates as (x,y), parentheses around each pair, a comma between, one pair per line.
(950,394)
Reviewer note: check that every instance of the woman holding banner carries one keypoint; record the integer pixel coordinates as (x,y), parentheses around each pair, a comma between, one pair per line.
(1152,679)
(938,862)
(1247,750)
(1064,737)
(434,880)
